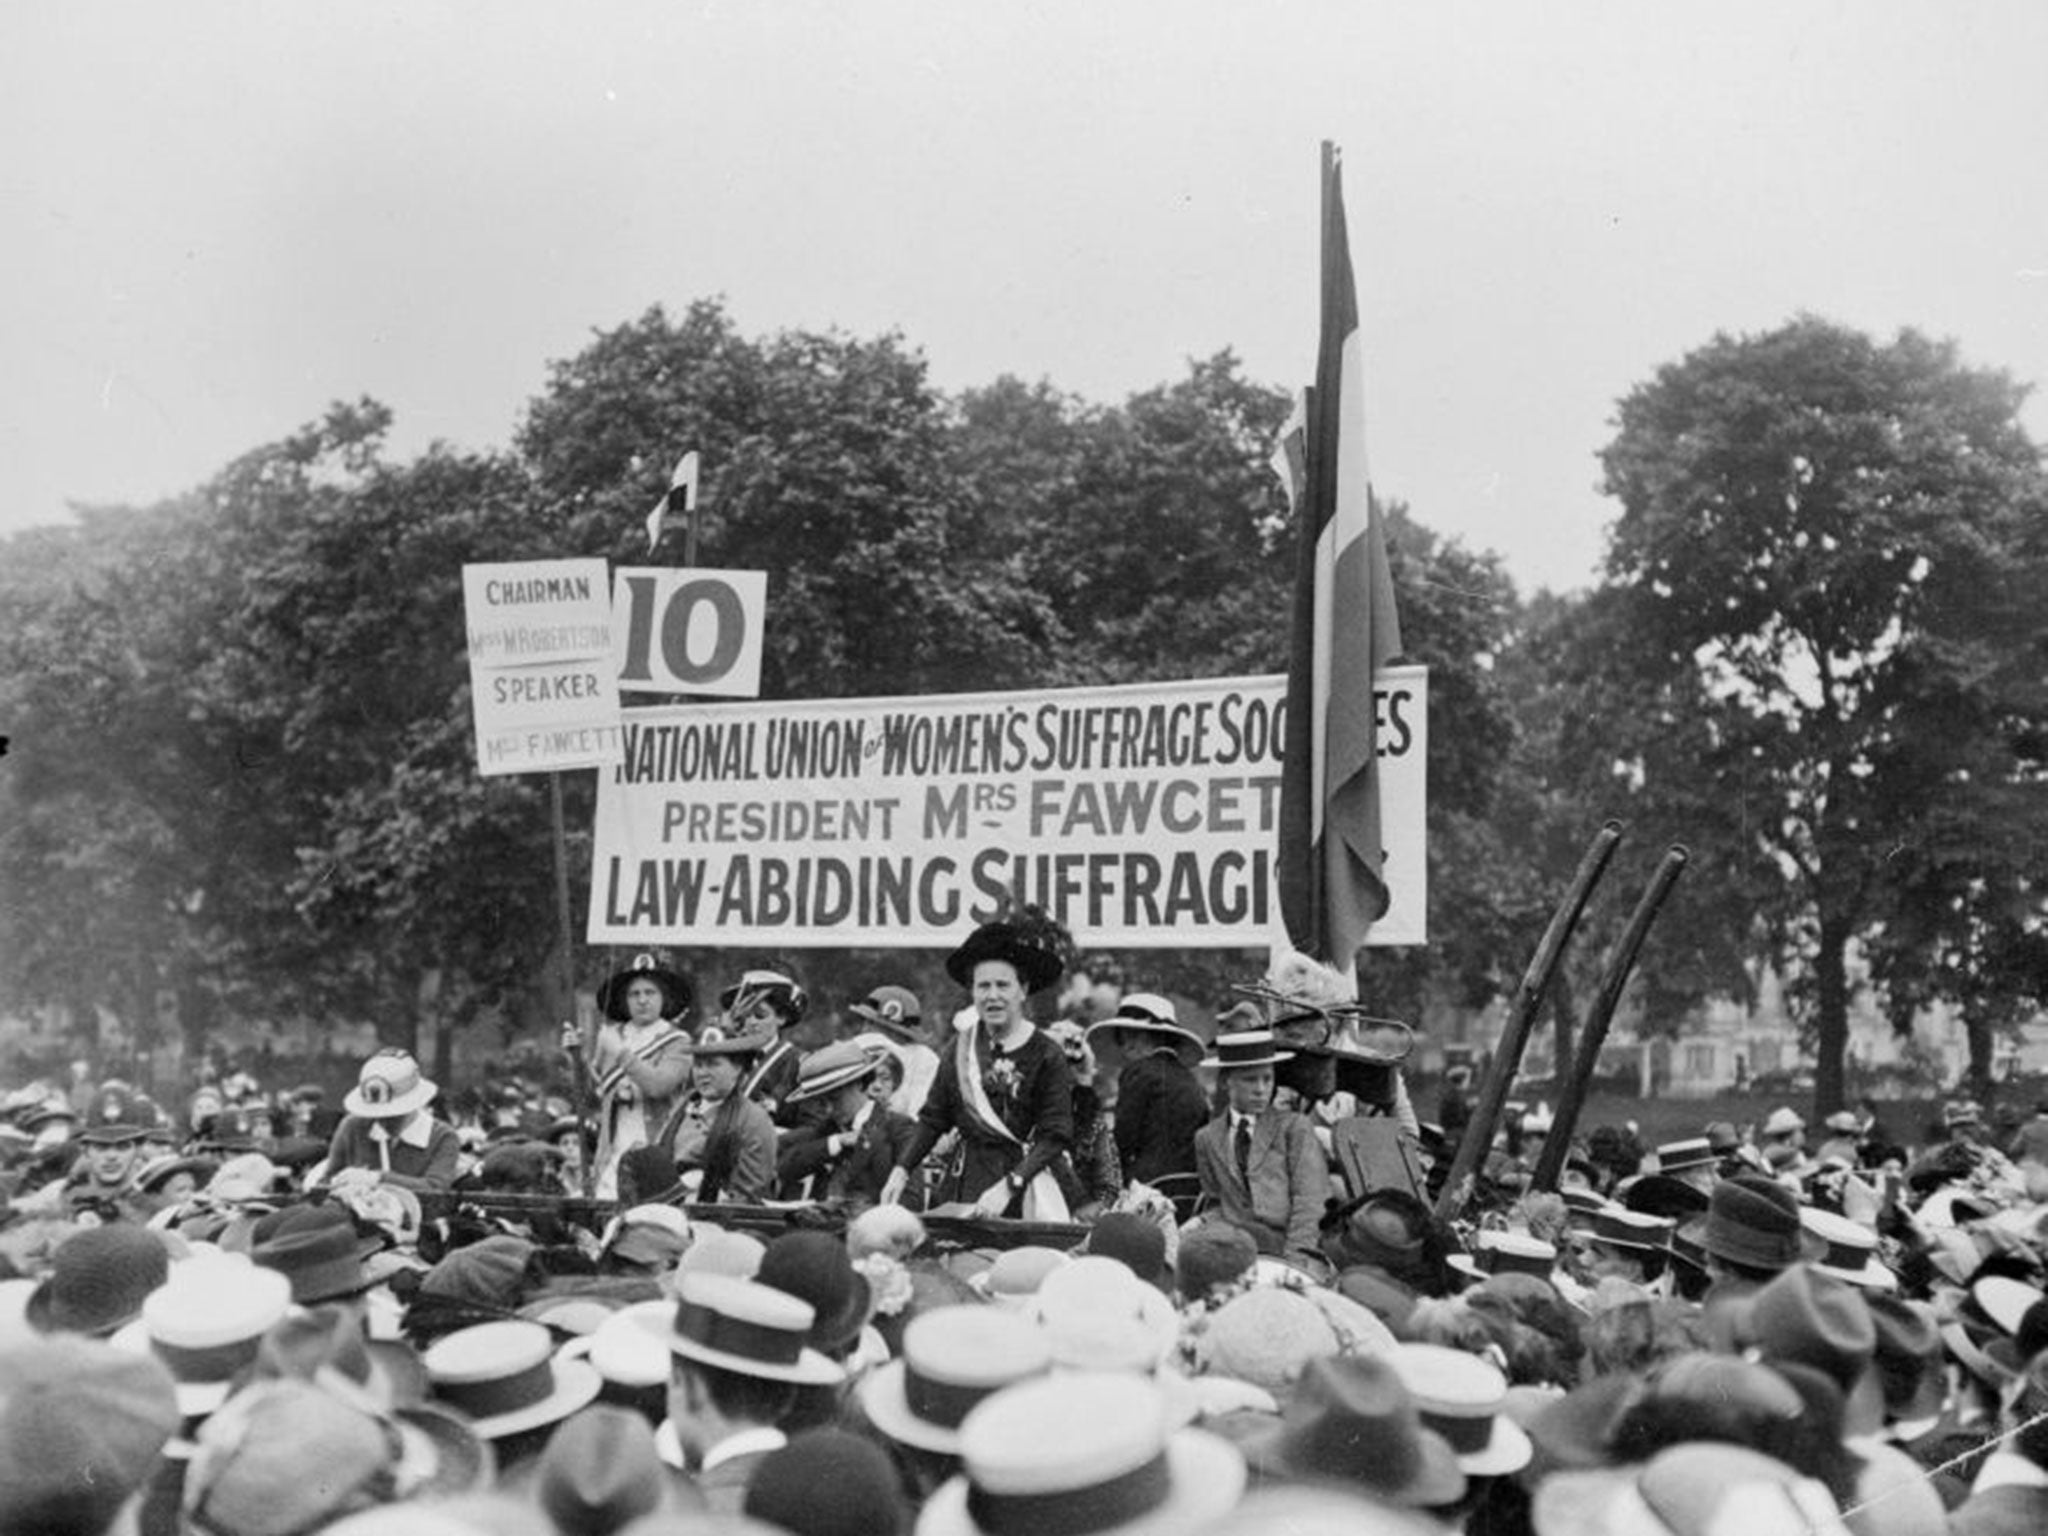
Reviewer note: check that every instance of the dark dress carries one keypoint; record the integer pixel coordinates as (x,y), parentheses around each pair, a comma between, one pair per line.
(1032,1091)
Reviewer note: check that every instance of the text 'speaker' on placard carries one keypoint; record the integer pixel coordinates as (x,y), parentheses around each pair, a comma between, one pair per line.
(542,688)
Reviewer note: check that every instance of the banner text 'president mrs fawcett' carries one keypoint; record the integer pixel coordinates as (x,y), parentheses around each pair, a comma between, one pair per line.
(1141,815)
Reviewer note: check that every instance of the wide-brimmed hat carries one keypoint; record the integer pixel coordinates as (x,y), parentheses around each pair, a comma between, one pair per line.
(1688,1490)
(778,986)
(1087,1454)
(2019,1309)
(153,1175)
(1805,1317)
(1351,1420)
(830,1068)
(289,1455)
(1032,943)
(1386,1227)
(389,1085)
(1782,1121)
(99,1277)
(503,1377)
(1752,1221)
(1658,1194)
(1016,1274)
(318,1249)
(1246,1048)
(816,1269)
(676,992)
(1266,1336)
(748,1328)
(953,1360)
(1095,1307)
(716,1040)
(82,1429)
(1460,1397)
(599,1471)
(1850,1252)
(115,1116)
(1149,1013)
(893,1010)
(206,1324)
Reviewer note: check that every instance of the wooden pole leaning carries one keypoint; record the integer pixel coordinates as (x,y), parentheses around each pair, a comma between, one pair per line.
(1621,964)
(1507,1056)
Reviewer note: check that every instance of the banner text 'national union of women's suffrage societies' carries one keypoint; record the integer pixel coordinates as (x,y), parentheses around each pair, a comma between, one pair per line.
(1141,816)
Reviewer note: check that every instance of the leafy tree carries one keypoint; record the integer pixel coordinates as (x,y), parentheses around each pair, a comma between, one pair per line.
(1816,581)
(824,465)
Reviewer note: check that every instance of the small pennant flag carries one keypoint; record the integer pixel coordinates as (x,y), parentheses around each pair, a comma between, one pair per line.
(680,496)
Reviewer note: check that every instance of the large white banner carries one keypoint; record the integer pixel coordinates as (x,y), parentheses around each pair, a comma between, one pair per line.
(542,683)
(1141,816)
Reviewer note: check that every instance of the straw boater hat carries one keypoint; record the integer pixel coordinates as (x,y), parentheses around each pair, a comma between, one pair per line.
(1036,946)
(1507,1253)
(953,1360)
(1084,1454)
(1460,1397)
(830,1068)
(1619,1227)
(1149,1013)
(389,1086)
(206,1324)
(1851,1252)
(1692,1152)
(676,991)
(893,1010)
(1246,1048)
(748,1328)
(503,1377)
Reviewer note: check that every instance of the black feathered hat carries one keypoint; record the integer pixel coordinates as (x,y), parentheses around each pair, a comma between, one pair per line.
(676,991)
(1037,945)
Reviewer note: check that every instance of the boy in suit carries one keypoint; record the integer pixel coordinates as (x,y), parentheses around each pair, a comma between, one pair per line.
(1262,1168)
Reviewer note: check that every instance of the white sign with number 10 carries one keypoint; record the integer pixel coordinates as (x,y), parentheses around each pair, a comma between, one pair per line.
(689,631)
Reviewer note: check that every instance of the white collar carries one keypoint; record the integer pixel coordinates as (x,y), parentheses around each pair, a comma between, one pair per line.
(418,1132)
(762,1437)
(2007,1468)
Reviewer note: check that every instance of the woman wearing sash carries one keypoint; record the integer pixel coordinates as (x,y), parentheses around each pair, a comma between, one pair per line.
(721,1140)
(639,1062)
(1003,1084)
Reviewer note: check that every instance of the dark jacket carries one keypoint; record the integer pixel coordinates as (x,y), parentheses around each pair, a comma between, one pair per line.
(1159,1107)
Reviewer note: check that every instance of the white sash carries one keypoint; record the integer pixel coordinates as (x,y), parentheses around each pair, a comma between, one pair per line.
(646,1050)
(1042,1198)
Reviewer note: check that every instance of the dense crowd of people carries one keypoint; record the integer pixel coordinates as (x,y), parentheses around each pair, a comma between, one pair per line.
(981,1274)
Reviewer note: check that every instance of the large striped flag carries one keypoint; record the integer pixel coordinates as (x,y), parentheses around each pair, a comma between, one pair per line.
(1344,630)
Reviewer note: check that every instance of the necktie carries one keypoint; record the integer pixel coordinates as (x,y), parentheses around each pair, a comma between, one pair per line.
(1242,1145)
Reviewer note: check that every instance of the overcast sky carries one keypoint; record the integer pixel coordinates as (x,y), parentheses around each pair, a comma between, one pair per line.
(219,217)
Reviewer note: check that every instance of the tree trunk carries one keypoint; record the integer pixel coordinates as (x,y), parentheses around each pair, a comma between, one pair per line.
(1977,1032)
(1831,1024)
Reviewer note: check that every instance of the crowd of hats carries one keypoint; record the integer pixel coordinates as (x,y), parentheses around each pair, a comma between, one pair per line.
(1731,1332)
